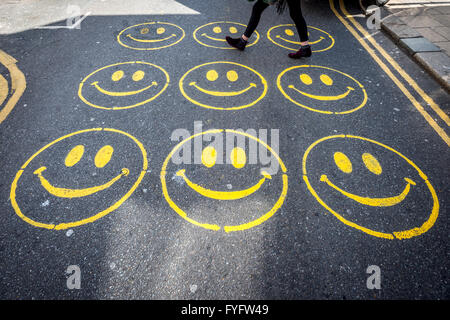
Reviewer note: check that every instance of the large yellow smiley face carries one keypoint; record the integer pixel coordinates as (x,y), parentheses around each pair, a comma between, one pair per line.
(370,186)
(151,36)
(223,85)
(123,85)
(285,36)
(12,84)
(213,34)
(78,178)
(321,89)
(234,194)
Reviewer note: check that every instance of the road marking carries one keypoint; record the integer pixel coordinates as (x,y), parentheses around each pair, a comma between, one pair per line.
(216,29)
(76,193)
(194,91)
(143,73)
(18,85)
(396,66)
(174,33)
(224,195)
(321,39)
(328,78)
(313,179)
(385,68)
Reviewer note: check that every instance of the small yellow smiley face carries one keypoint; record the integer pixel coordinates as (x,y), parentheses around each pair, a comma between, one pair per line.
(321,89)
(78,178)
(227,189)
(370,186)
(12,84)
(123,85)
(223,85)
(151,36)
(213,34)
(286,36)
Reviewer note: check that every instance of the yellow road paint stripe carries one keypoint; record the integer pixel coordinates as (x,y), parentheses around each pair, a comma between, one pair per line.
(3,89)
(400,85)
(399,69)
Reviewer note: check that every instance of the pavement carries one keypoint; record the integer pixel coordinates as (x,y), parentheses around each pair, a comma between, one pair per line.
(422,28)
(141,158)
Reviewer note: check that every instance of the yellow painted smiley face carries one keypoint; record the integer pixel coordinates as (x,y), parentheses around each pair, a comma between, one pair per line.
(213,34)
(151,36)
(286,36)
(123,85)
(78,178)
(321,89)
(227,190)
(12,84)
(223,85)
(370,186)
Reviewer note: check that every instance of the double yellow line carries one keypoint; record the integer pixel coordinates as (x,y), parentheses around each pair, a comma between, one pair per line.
(350,23)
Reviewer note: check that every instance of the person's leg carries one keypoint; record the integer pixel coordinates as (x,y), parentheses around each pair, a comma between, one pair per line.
(295,11)
(257,11)
(240,43)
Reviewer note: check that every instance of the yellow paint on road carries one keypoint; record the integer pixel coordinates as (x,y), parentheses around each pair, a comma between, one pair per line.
(18,85)
(375,202)
(400,70)
(219,195)
(66,193)
(239,99)
(127,37)
(202,34)
(322,43)
(75,193)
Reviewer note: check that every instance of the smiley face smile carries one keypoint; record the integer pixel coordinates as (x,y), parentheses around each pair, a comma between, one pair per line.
(223,93)
(224,195)
(299,43)
(212,38)
(323,98)
(151,41)
(374,202)
(122,94)
(75,193)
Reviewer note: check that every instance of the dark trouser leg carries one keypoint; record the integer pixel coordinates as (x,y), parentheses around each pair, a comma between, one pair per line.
(295,10)
(257,10)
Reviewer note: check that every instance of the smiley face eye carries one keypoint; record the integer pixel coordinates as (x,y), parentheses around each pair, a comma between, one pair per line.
(289,32)
(232,76)
(343,162)
(103,156)
(372,163)
(116,76)
(74,156)
(160,30)
(138,75)
(209,157)
(233,30)
(212,75)
(326,80)
(217,29)
(238,158)
(145,30)
(306,79)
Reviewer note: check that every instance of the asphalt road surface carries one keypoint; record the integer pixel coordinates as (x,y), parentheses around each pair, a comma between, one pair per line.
(123,157)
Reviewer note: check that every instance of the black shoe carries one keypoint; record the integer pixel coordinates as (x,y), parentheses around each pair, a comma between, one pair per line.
(303,52)
(237,43)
